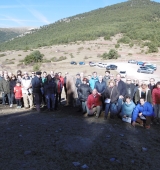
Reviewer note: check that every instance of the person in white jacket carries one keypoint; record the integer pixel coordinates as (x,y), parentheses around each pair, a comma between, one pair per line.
(27,91)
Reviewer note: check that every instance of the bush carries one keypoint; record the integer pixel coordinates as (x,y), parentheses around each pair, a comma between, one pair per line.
(2,55)
(125,40)
(36,67)
(19,55)
(34,57)
(152,48)
(113,54)
(117,46)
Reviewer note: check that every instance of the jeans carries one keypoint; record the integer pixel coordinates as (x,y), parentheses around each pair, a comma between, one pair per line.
(18,101)
(11,98)
(113,108)
(157,110)
(83,105)
(50,99)
(4,98)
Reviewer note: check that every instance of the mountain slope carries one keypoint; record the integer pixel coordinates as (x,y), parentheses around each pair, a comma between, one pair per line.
(137,19)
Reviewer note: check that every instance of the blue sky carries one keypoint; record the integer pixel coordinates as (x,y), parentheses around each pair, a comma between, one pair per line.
(35,13)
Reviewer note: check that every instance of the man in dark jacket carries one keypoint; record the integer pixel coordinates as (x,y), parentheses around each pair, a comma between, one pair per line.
(121,86)
(84,91)
(130,89)
(152,84)
(37,86)
(5,89)
(106,77)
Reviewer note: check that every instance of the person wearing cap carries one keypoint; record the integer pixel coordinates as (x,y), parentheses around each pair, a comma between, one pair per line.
(36,86)
(27,91)
(130,88)
(84,91)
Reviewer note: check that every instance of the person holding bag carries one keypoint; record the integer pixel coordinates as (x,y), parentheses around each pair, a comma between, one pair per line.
(112,101)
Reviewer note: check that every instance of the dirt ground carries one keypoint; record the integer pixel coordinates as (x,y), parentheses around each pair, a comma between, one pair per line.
(65,140)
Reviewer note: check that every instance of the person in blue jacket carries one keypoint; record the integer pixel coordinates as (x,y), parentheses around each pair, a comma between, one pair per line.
(93,80)
(143,113)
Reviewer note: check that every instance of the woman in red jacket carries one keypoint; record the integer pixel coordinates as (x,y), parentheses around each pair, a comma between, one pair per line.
(156,102)
(18,94)
(94,103)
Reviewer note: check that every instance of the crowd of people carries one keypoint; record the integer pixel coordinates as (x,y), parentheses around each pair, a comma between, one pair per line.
(133,100)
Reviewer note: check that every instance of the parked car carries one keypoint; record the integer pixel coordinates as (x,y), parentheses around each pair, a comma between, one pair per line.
(81,63)
(111,67)
(92,64)
(132,61)
(151,66)
(140,63)
(145,70)
(102,65)
(123,74)
(73,63)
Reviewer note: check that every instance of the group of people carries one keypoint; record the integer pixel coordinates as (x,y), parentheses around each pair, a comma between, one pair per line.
(138,101)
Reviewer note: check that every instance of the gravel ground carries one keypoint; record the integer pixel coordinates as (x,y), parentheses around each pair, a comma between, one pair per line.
(65,140)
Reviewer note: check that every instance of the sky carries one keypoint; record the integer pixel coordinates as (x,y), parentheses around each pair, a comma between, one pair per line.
(36,13)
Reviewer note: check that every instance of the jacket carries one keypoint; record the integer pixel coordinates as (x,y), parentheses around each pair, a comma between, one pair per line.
(114,96)
(130,90)
(92,82)
(121,88)
(18,92)
(106,79)
(127,109)
(100,87)
(83,92)
(146,110)
(12,85)
(50,87)
(59,86)
(5,86)
(138,95)
(156,96)
(36,84)
(93,101)
(26,83)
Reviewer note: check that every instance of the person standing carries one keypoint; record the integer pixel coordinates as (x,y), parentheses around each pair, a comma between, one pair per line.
(156,102)
(49,92)
(152,84)
(12,85)
(106,77)
(130,88)
(93,80)
(18,94)
(27,91)
(36,86)
(121,86)
(5,89)
(84,91)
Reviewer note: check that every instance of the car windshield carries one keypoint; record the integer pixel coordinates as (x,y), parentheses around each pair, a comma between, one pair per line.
(122,72)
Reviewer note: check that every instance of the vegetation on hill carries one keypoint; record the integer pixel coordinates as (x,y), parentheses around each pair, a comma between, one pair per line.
(135,19)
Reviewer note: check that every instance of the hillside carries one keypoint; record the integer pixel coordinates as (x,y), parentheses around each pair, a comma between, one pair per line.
(8,33)
(136,19)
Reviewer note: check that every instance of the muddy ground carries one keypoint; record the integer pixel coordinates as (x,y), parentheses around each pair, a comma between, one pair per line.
(65,140)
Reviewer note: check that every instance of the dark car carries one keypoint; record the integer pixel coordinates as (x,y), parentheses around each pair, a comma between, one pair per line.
(73,63)
(145,70)
(111,67)
(81,63)
(132,61)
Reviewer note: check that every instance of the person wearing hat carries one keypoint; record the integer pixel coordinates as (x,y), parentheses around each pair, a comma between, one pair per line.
(36,86)
(84,91)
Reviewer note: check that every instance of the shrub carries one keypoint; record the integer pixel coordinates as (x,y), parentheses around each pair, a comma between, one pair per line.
(113,54)
(71,55)
(125,40)
(34,57)
(19,55)
(152,48)
(36,67)
(117,46)
(2,55)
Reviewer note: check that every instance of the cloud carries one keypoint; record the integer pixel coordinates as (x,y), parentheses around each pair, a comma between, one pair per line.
(35,13)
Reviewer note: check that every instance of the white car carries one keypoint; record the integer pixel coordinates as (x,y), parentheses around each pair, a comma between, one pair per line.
(123,74)
(92,64)
(102,65)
